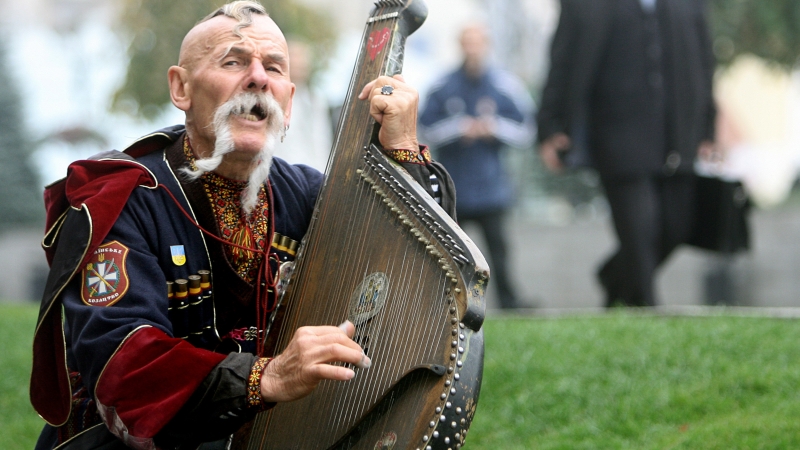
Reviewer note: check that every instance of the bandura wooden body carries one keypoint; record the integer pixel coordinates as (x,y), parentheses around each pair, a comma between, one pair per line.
(383,254)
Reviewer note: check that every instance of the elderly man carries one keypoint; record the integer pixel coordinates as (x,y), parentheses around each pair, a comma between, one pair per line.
(147,357)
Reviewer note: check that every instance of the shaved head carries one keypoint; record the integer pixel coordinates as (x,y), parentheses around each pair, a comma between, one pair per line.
(194,43)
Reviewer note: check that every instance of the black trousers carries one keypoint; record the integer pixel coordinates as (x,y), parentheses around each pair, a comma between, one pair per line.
(652,215)
(492,224)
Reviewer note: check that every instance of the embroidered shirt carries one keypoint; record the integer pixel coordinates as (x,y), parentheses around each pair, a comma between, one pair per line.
(235,226)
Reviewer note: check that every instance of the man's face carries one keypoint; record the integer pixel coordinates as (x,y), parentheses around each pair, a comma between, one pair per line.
(220,65)
(475,44)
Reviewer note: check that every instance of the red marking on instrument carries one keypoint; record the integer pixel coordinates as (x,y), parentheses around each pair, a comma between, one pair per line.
(377,40)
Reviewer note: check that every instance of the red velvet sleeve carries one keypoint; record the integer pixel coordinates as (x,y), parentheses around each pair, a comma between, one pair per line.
(147,381)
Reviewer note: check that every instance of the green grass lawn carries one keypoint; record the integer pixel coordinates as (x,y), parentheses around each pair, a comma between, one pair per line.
(624,381)
(19,424)
(615,381)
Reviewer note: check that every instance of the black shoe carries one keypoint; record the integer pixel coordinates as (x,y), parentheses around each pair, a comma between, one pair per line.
(612,298)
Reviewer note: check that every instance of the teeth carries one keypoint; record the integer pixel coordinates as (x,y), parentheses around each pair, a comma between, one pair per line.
(249,117)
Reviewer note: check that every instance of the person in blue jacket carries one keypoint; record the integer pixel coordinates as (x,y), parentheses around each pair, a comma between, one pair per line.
(146,357)
(470,116)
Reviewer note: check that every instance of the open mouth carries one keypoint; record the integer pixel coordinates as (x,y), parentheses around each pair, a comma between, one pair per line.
(255,114)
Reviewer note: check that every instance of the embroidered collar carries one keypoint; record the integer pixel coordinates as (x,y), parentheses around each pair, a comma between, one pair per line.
(235,226)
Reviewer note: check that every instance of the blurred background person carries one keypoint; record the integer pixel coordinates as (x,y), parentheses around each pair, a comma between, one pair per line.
(470,116)
(310,137)
(637,74)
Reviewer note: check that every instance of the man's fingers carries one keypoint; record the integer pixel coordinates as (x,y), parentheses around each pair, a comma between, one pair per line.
(327,344)
(314,354)
(338,352)
(348,327)
(550,158)
(323,330)
(367,89)
(338,373)
(365,362)
(374,86)
(322,339)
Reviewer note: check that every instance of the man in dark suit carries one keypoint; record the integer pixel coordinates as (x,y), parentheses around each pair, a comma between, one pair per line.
(633,79)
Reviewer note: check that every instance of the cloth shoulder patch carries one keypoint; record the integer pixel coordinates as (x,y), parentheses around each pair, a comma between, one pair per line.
(105,279)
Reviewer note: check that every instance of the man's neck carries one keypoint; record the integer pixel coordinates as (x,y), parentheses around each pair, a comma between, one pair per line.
(474,69)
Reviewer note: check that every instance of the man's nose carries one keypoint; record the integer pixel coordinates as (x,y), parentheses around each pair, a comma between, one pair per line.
(257,78)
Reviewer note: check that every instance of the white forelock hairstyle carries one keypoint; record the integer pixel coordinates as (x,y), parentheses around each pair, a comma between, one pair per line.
(242,11)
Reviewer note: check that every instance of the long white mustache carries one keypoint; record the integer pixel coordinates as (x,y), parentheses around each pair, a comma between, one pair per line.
(244,104)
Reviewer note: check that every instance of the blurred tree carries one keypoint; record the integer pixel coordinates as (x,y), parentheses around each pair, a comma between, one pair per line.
(769,29)
(156,29)
(20,191)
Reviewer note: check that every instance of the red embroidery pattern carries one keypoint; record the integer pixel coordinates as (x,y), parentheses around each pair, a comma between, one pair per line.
(235,226)
(254,399)
(404,155)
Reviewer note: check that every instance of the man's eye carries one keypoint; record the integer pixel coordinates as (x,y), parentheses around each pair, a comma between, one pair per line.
(231,63)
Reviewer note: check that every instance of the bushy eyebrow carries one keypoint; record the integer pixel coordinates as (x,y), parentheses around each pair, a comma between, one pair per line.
(236,50)
(278,58)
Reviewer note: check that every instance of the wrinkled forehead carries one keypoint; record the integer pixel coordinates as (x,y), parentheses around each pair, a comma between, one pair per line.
(216,37)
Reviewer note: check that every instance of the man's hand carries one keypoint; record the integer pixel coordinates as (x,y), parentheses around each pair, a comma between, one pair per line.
(308,359)
(475,128)
(707,151)
(396,112)
(550,149)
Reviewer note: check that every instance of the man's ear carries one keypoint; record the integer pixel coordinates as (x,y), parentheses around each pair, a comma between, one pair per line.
(179,89)
(287,111)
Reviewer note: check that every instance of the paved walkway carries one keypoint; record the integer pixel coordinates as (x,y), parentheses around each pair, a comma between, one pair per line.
(554,265)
